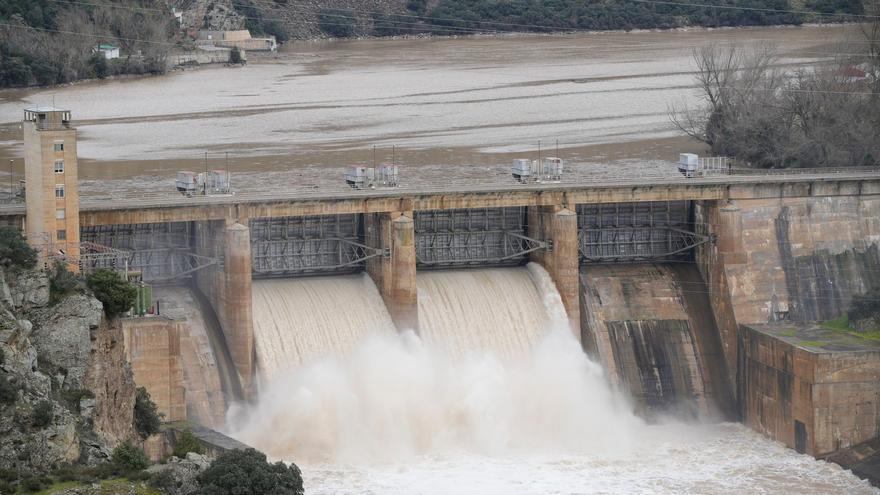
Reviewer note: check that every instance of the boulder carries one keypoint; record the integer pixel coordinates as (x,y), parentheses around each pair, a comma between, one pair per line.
(179,476)
(28,288)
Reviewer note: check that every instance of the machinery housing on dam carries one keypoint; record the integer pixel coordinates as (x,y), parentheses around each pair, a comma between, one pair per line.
(756,249)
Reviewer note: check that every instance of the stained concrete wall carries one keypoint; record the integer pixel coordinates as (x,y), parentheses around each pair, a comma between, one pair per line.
(395,274)
(835,395)
(801,256)
(152,347)
(648,326)
(227,287)
(559,227)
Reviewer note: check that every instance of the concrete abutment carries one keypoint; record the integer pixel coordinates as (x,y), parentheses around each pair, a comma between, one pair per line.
(558,226)
(394,273)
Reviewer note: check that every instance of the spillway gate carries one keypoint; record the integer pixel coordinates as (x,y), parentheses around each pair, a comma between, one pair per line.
(473,237)
(320,244)
(632,232)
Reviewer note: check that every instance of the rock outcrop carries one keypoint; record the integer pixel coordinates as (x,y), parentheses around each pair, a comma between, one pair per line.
(71,394)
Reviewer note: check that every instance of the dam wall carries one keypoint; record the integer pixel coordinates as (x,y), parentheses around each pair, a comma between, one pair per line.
(796,254)
(152,348)
(648,325)
(810,388)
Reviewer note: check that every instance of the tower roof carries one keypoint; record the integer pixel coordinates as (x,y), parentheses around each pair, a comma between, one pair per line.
(45,109)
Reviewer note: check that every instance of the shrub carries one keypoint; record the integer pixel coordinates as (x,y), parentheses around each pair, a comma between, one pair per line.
(235,55)
(339,23)
(163,481)
(246,472)
(99,65)
(115,293)
(865,305)
(34,483)
(146,419)
(187,442)
(8,391)
(14,250)
(63,281)
(129,458)
(43,414)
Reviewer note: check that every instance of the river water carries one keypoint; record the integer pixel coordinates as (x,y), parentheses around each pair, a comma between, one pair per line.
(453,105)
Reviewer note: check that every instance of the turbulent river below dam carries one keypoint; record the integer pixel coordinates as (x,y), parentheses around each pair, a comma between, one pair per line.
(486,401)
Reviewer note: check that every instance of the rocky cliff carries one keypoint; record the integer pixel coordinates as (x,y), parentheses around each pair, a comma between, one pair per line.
(68,391)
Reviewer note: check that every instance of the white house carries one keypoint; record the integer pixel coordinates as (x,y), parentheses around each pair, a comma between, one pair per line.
(109,51)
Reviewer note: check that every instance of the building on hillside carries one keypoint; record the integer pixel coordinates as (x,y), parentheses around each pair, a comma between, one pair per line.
(50,168)
(109,51)
(240,39)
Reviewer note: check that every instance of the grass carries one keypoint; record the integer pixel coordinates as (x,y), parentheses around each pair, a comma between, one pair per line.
(59,486)
(841,325)
(788,333)
(122,486)
(812,343)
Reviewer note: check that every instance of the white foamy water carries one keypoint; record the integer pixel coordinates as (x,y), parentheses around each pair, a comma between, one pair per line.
(300,320)
(399,415)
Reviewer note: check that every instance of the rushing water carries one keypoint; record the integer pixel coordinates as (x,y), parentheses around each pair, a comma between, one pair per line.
(396,414)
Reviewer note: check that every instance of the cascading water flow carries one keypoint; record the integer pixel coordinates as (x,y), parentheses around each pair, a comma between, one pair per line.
(458,389)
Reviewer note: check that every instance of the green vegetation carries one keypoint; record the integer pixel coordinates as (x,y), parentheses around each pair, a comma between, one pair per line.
(842,325)
(62,281)
(42,415)
(340,23)
(812,343)
(146,419)
(50,42)
(257,22)
(115,293)
(865,305)
(14,250)
(467,16)
(129,458)
(246,472)
(186,443)
(235,56)
(8,390)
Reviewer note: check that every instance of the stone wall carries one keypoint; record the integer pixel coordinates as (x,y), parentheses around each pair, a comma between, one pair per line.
(816,401)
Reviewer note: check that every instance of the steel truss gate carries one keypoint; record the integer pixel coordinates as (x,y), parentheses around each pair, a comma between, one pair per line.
(309,245)
(473,237)
(160,251)
(628,232)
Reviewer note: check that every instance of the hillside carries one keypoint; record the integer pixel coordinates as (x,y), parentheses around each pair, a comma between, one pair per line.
(44,42)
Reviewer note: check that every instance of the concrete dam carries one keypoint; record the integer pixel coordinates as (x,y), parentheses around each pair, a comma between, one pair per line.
(407,320)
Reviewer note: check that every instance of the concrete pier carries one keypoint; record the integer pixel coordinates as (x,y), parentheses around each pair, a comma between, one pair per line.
(558,225)
(395,274)
(238,319)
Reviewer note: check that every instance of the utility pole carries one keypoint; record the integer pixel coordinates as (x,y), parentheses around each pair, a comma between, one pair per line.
(228,185)
(11,192)
(205,182)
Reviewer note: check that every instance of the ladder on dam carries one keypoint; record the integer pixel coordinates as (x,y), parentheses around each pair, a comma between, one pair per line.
(632,232)
(465,237)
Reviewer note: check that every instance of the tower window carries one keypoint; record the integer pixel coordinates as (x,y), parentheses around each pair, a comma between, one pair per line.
(61,235)
(59,166)
(60,214)
(59,191)
(59,147)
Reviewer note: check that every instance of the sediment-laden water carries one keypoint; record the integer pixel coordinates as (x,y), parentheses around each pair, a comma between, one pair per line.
(526,413)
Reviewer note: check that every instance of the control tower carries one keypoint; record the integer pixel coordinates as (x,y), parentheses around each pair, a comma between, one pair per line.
(51,181)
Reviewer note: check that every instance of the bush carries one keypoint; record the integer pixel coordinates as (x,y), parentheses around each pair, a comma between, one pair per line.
(163,481)
(99,65)
(63,281)
(115,293)
(865,305)
(235,55)
(129,458)
(43,414)
(35,483)
(146,419)
(187,443)
(338,23)
(8,391)
(246,472)
(14,250)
